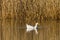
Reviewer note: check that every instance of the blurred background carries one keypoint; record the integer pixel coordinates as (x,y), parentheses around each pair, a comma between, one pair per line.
(14,14)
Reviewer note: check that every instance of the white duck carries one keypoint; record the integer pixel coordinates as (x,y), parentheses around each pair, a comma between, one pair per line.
(30,28)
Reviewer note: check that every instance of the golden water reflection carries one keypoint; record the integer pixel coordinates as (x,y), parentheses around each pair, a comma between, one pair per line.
(16,30)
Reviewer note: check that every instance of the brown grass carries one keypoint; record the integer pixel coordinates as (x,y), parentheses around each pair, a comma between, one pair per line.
(38,9)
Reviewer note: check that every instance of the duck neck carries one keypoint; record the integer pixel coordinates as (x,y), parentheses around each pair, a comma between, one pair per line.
(36,25)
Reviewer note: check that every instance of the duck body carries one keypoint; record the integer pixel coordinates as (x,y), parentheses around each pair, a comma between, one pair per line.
(30,28)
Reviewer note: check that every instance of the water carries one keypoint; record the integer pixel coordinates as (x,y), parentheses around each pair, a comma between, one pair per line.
(16,30)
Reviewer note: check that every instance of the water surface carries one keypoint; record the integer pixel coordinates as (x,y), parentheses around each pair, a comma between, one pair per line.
(16,30)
